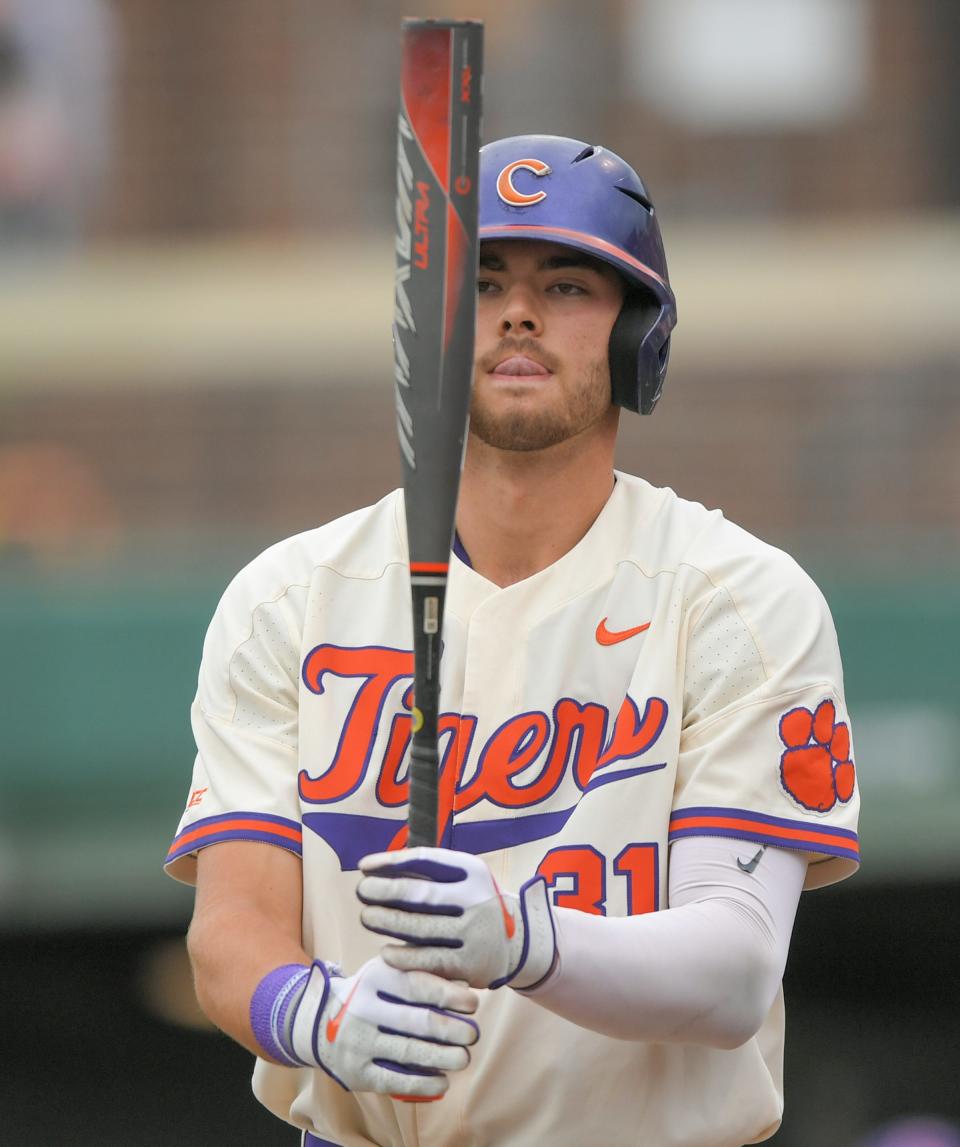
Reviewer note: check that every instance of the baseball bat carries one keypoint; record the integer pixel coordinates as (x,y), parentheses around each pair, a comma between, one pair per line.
(438,141)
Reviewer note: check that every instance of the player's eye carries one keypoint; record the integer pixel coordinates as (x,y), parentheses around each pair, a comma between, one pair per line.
(568,289)
(485,286)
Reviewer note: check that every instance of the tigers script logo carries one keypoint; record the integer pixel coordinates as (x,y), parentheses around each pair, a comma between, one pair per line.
(576,738)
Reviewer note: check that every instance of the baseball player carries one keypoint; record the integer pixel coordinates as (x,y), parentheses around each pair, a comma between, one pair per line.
(645,754)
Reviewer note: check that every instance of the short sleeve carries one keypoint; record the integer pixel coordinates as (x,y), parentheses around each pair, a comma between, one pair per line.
(766,752)
(245,724)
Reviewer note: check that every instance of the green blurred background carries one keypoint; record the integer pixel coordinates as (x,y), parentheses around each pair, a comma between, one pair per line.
(196,205)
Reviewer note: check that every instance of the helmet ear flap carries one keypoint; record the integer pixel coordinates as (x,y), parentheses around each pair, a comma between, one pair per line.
(638,351)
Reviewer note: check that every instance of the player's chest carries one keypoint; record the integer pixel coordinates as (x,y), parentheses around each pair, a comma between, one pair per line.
(536,703)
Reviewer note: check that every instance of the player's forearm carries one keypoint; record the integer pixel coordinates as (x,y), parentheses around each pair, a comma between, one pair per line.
(231,951)
(683,975)
(704,971)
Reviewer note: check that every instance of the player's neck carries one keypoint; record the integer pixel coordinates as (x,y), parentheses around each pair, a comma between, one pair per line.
(520,512)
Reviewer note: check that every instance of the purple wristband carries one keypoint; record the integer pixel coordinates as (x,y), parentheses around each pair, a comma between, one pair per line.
(271,1001)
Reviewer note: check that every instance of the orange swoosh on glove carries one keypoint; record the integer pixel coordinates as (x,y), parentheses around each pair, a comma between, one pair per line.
(333,1025)
(509,924)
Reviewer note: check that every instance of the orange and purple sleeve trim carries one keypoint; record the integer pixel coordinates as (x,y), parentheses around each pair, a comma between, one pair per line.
(745,825)
(237,826)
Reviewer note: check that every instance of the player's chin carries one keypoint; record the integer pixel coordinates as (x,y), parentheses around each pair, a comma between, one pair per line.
(519,427)
(538,417)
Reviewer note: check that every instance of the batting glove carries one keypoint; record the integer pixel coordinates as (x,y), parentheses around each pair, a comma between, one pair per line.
(379,1030)
(455,920)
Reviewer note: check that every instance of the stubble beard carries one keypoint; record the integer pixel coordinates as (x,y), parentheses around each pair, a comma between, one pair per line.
(531,429)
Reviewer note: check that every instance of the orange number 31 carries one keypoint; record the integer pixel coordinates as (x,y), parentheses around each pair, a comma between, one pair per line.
(586,871)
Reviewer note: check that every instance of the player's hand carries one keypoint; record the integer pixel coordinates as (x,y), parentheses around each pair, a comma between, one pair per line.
(383,1030)
(455,920)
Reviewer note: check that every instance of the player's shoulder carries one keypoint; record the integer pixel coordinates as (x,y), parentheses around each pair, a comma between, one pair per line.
(676,532)
(360,544)
(732,582)
(713,555)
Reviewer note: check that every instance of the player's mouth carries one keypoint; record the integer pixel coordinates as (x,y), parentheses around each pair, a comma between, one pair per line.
(520,366)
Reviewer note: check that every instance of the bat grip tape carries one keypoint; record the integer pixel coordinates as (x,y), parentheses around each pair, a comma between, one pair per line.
(424,783)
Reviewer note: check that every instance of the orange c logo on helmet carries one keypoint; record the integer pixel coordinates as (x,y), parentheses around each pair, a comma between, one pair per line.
(509,194)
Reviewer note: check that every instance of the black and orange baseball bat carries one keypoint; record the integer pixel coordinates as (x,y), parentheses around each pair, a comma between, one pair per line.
(438,142)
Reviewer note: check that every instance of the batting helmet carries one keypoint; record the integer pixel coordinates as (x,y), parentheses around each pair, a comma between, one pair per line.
(565,191)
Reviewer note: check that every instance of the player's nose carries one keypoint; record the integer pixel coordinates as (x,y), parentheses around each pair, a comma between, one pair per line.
(519,313)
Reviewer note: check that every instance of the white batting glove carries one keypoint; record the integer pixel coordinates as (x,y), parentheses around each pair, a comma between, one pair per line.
(455,920)
(380,1029)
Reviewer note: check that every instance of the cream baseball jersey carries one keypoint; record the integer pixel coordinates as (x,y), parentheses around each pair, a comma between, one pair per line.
(670,676)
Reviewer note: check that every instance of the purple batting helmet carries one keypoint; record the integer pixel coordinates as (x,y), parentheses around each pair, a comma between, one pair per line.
(565,191)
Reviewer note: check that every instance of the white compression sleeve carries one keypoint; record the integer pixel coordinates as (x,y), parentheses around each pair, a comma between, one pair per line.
(705,970)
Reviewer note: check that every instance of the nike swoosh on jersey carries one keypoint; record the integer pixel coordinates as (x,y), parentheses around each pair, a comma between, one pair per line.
(612,636)
(333,1025)
(751,864)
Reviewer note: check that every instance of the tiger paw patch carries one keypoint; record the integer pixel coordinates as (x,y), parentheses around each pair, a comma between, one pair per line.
(816,769)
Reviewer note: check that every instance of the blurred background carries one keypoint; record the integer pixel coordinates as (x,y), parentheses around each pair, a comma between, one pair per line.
(196,211)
